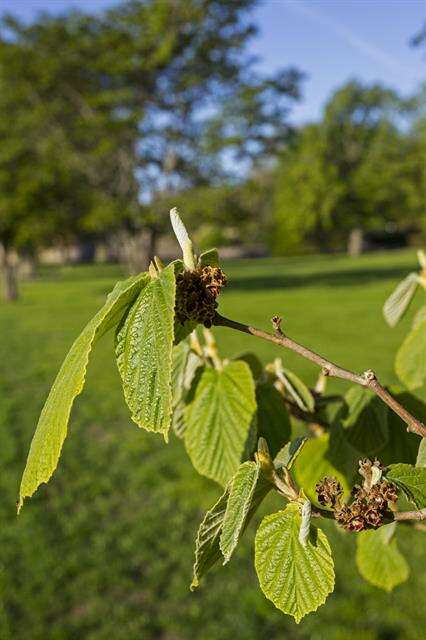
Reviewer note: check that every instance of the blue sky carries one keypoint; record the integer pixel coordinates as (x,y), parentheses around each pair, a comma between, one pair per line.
(331,40)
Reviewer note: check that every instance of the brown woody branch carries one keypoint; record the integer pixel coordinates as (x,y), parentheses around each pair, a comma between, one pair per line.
(367,379)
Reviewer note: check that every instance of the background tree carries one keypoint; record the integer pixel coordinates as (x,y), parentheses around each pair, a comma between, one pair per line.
(103,113)
(361,167)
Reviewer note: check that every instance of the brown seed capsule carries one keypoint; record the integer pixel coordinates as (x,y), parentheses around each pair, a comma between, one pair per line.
(329,491)
(196,293)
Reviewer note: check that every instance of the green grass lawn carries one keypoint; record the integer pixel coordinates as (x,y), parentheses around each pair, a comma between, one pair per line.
(105,550)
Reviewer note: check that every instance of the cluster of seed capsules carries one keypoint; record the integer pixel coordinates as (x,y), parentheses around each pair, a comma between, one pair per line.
(196,293)
(368,507)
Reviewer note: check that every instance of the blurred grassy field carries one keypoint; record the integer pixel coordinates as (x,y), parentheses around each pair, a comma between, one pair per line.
(105,550)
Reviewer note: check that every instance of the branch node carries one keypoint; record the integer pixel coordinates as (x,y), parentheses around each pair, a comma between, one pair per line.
(369,375)
(276,323)
(326,371)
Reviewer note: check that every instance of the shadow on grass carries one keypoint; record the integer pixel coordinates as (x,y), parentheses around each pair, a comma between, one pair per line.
(327,278)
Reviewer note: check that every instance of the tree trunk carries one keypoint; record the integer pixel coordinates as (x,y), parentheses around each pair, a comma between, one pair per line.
(9,274)
(355,243)
(141,250)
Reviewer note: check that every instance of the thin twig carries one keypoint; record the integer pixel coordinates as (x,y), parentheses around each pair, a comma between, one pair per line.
(410,515)
(367,379)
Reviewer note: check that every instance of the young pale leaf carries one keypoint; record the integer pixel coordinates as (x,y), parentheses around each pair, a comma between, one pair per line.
(207,549)
(218,420)
(410,364)
(273,421)
(298,390)
(397,303)
(241,491)
(412,481)
(378,558)
(421,455)
(52,425)
(364,418)
(296,578)
(183,238)
(314,463)
(144,343)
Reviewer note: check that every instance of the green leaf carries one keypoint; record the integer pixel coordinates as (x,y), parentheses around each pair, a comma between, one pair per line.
(378,558)
(144,343)
(313,464)
(182,331)
(209,258)
(419,317)
(273,421)
(253,362)
(296,578)
(288,454)
(51,429)
(402,445)
(185,370)
(410,364)
(298,391)
(207,549)
(421,455)
(218,420)
(179,360)
(241,491)
(364,418)
(412,481)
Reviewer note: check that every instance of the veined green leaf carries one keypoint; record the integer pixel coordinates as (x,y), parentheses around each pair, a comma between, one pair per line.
(410,363)
(364,418)
(208,543)
(144,343)
(218,420)
(52,425)
(296,578)
(412,481)
(397,303)
(207,549)
(273,421)
(378,558)
(241,492)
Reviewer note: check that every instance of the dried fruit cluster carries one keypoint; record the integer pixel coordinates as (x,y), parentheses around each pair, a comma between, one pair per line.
(370,501)
(196,293)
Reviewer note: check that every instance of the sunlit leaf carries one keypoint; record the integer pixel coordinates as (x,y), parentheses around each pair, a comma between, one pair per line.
(296,578)
(52,425)
(412,481)
(144,343)
(218,420)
